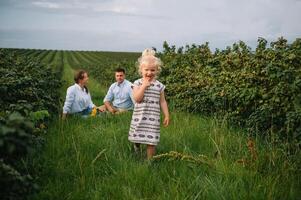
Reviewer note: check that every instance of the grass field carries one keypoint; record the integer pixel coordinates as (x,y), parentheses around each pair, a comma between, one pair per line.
(197,158)
(92,159)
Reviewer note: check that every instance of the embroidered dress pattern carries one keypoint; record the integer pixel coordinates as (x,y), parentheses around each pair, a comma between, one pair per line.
(145,124)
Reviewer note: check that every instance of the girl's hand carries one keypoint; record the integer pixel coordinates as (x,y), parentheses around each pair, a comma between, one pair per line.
(146,82)
(166,121)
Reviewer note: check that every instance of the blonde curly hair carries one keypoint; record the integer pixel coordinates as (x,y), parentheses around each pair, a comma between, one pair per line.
(148,56)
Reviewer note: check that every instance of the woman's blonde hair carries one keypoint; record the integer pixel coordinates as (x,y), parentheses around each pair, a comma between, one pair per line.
(148,55)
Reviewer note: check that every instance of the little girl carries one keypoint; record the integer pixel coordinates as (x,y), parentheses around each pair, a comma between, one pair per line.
(149,96)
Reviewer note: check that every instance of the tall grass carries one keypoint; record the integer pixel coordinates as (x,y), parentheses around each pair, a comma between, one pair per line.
(93,159)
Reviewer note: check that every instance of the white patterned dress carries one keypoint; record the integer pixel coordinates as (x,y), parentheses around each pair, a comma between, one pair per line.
(145,124)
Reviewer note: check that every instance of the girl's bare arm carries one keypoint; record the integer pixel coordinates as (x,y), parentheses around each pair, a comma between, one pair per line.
(164,108)
(138,91)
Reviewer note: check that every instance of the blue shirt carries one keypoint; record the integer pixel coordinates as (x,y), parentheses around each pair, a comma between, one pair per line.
(120,95)
(77,100)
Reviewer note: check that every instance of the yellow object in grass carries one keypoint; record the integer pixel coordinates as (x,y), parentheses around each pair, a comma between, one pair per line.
(94,112)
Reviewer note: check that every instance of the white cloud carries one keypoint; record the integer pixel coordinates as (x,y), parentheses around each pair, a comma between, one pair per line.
(118,6)
(115,8)
(137,23)
(45,4)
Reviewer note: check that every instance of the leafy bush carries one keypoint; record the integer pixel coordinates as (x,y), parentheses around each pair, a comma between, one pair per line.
(15,137)
(29,94)
(258,89)
(27,85)
(13,184)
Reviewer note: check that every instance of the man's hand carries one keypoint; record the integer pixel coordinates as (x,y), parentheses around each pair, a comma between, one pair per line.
(112,110)
(109,107)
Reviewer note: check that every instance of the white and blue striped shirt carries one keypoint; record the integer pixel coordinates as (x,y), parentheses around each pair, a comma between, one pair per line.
(77,100)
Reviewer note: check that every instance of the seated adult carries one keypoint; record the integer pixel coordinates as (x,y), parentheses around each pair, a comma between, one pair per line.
(119,96)
(78,99)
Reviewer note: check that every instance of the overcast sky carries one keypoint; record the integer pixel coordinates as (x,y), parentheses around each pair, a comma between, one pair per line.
(132,25)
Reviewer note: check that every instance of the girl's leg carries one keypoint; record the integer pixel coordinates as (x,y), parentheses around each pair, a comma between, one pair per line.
(137,147)
(151,150)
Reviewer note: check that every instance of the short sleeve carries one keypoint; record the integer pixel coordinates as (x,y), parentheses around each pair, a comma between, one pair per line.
(109,96)
(136,83)
(160,86)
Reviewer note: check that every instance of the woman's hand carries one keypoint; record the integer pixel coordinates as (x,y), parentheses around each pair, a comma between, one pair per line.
(101,108)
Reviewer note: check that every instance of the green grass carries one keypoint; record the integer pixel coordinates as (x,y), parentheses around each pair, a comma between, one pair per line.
(93,159)
(97,91)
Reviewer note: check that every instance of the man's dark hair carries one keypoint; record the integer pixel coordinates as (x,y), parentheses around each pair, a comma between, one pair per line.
(120,70)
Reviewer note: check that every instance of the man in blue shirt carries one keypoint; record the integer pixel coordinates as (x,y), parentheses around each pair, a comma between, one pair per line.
(119,97)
